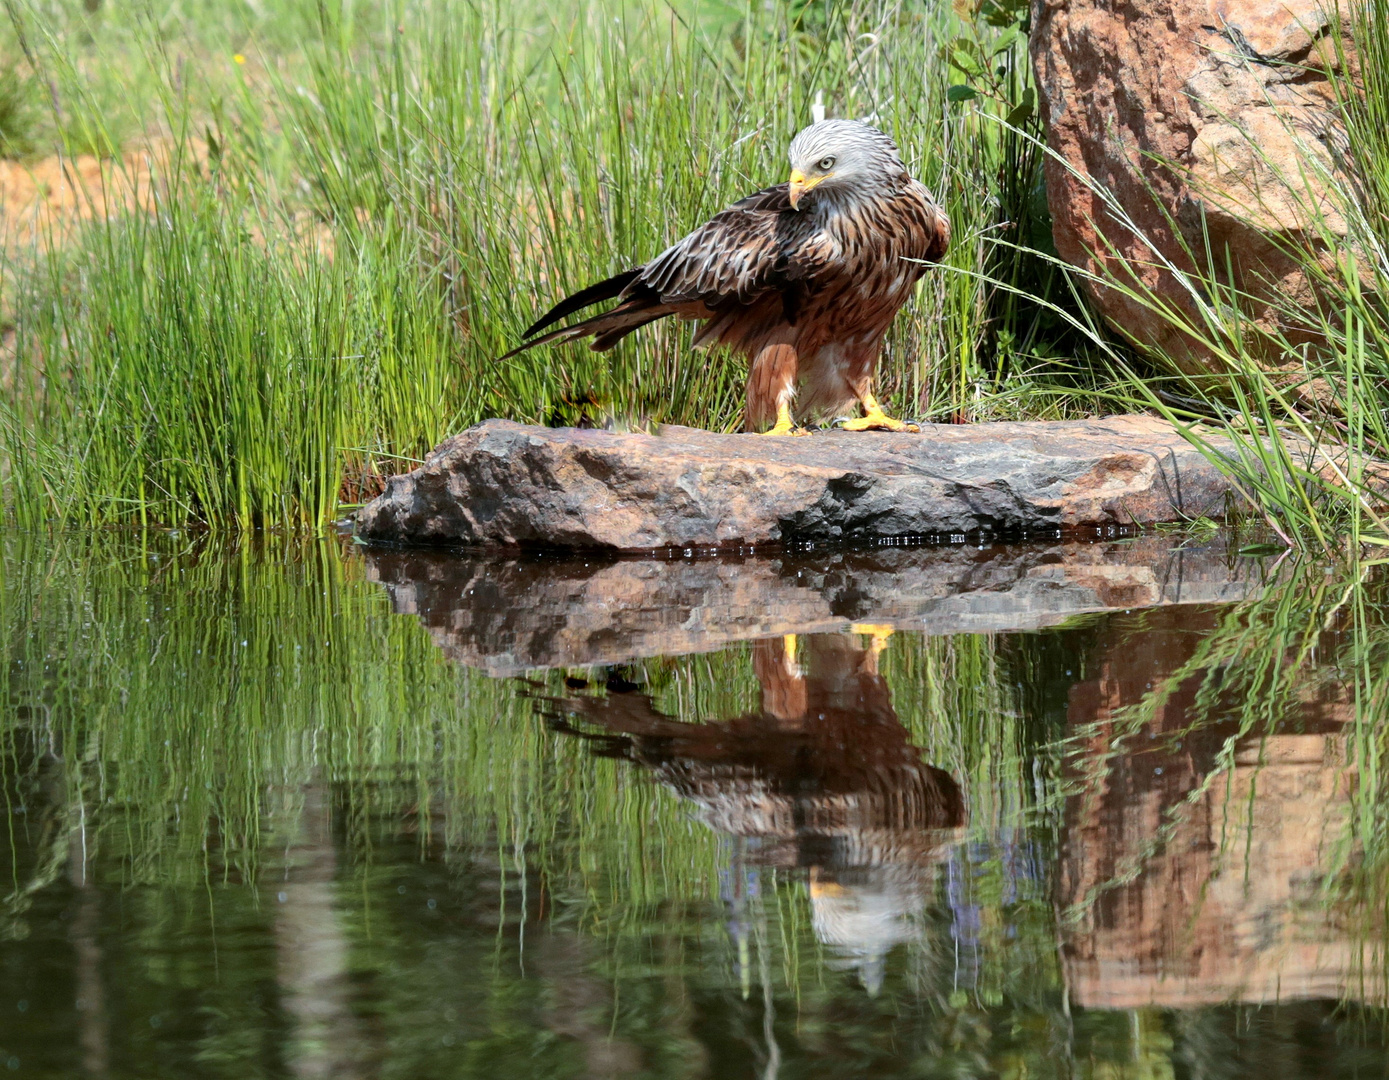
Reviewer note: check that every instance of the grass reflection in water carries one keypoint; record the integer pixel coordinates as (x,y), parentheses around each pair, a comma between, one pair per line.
(261,823)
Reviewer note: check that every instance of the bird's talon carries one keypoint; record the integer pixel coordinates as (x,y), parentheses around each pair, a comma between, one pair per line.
(879,632)
(784,424)
(879,422)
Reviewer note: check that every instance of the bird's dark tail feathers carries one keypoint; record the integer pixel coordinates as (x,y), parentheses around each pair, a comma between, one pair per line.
(606,328)
(603,290)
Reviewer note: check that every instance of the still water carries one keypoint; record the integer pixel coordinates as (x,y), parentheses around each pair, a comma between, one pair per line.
(1071,810)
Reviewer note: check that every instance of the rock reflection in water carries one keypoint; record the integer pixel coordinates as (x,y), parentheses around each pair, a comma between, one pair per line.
(512,614)
(1195,852)
(823,776)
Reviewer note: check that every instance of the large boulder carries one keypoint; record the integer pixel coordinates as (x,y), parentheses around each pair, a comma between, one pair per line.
(504,484)
(1187,110)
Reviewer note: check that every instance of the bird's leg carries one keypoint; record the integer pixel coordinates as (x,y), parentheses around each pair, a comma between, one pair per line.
(784,424)
(874,419)
(772,386)
(820,887)
(782,681)
(880,632)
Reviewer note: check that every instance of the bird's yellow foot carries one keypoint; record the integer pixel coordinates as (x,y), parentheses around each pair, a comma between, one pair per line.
(819,887)
(874,419)
(879,632)
(784,424)
(877,420)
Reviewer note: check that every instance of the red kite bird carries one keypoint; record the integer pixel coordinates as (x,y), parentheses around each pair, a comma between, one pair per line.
(803,278)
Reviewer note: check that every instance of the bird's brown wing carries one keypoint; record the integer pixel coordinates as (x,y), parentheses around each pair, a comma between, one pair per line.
(929,225)
(757,246)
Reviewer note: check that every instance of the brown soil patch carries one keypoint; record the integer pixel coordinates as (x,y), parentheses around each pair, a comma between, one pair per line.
(41,201)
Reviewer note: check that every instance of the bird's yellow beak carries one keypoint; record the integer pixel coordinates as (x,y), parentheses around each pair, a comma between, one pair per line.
(800,185)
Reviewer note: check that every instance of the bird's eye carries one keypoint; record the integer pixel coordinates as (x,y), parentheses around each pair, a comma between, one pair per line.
(826,164)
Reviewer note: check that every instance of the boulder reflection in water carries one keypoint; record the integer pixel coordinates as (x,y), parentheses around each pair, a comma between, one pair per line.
(823,776)
(1199,848)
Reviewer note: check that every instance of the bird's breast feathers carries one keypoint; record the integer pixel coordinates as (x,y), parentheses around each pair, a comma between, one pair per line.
(874,232)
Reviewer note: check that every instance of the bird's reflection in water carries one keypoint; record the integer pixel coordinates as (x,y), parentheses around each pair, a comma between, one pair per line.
(822,777)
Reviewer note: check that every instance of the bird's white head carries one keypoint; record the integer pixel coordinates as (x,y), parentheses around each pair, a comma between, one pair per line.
(839,158)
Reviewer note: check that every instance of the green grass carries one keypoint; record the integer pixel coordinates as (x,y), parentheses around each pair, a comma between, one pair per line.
(341,235)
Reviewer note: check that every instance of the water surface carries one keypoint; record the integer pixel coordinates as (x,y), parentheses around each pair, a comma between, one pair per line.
(1084,809)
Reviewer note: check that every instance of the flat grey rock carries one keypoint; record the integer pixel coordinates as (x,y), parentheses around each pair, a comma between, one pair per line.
(512,614)
(503,484)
